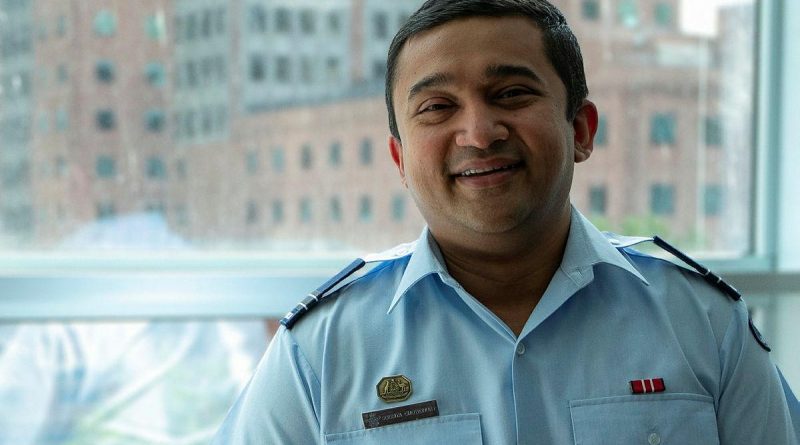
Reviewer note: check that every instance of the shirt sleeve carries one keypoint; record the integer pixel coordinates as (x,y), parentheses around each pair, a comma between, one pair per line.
(752,407)
(279,404)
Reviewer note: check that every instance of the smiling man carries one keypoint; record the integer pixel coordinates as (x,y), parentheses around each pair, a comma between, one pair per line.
(512,320)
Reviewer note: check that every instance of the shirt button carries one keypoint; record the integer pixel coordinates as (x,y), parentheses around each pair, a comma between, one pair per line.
(520,349)
(654,439)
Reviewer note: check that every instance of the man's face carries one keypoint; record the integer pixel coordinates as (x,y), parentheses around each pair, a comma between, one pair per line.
(486,147)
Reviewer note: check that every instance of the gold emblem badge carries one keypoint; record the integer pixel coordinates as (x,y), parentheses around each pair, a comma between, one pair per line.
(394,388)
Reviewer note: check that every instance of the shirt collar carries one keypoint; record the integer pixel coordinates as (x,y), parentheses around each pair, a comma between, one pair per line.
(586,247)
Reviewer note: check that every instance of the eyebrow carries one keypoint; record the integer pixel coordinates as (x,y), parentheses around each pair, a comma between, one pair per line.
(433,80)
(494,71)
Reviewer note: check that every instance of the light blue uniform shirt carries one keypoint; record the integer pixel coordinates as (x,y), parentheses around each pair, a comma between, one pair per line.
(609,316)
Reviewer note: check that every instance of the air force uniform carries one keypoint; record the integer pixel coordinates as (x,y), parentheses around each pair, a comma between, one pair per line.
(623,348)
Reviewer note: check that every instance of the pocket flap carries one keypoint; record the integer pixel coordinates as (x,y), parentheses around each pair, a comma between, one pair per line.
(456,429)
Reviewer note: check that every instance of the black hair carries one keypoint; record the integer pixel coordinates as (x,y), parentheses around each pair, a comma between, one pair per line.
(560,44)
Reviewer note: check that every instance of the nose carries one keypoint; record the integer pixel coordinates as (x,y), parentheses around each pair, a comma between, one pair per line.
(480,128)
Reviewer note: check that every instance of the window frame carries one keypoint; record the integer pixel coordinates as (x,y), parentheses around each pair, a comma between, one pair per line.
(63,286)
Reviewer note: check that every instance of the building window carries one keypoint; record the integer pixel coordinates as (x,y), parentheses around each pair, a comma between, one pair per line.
(378,69)
(305,210)
(258,19)
(306,70)
(105,210)
(598,199)
(590,9)
(219,20)
(283,69)
(277,211)
(252,215)
(365,153)
(662,129)
(306,157)
(61,73)
(257,68)
(334,22)
(332,69)
(105,23)
(307,21)
(62,119)
(104,71)
(154,27)
(365,209)
(335,154)
(105,119)
(205,24)
(712,200)
(61,25)
(191,27)
(283,20)
(278,161)
(398,208)
(180,169)
(663,14)
(601,137)
(105,167)
(713,130)
(154,120)
(381,26)
(156,168)
(252,162)
(154,73)
(336,209)
(662,199)
(628,13)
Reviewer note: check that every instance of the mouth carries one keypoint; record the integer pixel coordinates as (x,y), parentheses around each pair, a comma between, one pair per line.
(478,172)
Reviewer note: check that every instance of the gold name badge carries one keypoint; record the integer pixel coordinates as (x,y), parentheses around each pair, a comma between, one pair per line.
(394,388)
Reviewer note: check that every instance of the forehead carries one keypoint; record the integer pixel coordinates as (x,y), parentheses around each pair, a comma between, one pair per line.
(463,46)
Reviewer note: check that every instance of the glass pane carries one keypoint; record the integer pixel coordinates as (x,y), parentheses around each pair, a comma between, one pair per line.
(132,383)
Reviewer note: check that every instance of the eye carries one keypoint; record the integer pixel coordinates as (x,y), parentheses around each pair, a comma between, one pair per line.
(433,106)
(513,93)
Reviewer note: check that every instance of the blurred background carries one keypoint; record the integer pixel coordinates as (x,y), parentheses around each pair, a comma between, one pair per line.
(176,174)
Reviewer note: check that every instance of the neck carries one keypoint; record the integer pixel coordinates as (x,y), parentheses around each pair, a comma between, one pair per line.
(509,274)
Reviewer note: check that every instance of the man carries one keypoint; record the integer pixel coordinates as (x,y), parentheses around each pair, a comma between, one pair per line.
(512,319)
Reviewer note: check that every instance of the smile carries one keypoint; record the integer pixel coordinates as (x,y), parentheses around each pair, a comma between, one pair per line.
(486,171)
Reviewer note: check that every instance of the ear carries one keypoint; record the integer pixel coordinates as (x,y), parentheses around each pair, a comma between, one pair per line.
(396,149)
(585,127)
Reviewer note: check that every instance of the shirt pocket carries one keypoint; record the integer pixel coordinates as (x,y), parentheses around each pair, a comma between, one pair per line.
(456,429)
(663,419)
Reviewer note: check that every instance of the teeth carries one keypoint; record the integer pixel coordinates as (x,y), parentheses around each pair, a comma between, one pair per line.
(476,171)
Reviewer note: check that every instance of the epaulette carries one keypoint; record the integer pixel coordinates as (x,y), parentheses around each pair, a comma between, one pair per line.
(323,291)
(712,278)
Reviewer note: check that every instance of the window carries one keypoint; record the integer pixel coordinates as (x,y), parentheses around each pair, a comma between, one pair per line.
(156,168)
(305,210)
(277,160)
(601,137)
(206,24)
(252,162)
(105,120)
(154,73)
(277,211)
(663,14)
(335,154)
(180,169)
(662,129)
(398,208)
(252,214)
(105,167)
(306,157)
(336,209)
(365,154)
(219,20)
(712,200)
(191,27)
(258,19)
(62,119)
(381,26)
(597,200)
(283,20)
(365,209)
(662,200)
(307,21)
(257,68)
(628,13)
(104,71)
(105,210)
(713,131)
(61,73)
(154,27)
(283,69)
(590,9)
(334,22)
(154,120)
(105,24)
